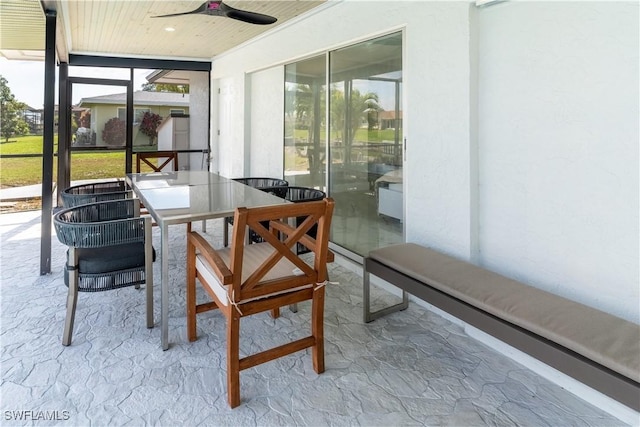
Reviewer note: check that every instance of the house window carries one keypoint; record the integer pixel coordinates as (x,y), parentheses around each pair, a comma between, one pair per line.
(137,114)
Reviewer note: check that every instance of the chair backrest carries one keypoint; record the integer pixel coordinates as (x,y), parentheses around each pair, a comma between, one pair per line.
(262,182)
(95,192)
(296,195)
(169,156)
(100,224)
(281,250)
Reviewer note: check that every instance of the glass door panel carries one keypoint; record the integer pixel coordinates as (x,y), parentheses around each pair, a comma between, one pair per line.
(305,124)
(98,132)
(356,153)
(365,144)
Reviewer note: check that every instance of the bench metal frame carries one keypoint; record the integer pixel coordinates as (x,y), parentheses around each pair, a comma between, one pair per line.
(599,377)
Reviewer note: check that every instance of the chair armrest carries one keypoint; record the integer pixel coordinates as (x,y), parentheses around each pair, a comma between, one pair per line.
(118,209)
(100,234)
(218,265)
(102,211)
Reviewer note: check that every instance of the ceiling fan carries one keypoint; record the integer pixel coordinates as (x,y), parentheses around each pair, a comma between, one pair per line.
(218,8)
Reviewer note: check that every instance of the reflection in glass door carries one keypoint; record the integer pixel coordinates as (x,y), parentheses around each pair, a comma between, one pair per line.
(304,124)
(362,167)
(365,144)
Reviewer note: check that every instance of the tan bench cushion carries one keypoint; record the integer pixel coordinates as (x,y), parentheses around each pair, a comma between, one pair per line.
(606,339)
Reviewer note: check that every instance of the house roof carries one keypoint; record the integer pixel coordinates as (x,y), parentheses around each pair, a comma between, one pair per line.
(388,115)
(140,98)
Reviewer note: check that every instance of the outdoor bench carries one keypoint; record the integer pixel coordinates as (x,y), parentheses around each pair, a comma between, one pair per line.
(594,347)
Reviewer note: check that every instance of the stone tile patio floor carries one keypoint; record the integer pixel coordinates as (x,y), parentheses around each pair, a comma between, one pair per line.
(409,368)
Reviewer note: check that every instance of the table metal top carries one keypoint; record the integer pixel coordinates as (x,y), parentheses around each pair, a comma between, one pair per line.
(186,196)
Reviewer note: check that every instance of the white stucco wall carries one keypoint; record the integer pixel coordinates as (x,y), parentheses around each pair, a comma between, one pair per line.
(436,77)
(521,121)
(228,145)
(559,175)
(266,122)
(198,117)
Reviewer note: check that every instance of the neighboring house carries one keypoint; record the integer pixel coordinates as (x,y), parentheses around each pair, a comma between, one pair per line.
(106,107)
(388,119)
(34,119)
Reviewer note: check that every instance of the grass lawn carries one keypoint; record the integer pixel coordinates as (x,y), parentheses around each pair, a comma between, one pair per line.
(15,172)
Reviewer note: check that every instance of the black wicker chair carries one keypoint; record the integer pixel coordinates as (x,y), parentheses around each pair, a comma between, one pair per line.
(109,248)
(295,195)
(95,192)
(258,183)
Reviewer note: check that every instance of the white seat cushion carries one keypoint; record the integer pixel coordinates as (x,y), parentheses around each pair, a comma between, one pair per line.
(254,256)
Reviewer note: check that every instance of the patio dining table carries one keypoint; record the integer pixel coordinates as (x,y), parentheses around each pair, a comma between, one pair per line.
(185,196)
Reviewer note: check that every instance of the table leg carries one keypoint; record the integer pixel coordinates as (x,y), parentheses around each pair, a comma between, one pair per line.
(164,295)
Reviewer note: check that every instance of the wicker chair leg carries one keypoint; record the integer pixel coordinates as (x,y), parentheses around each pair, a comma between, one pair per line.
(72,300)
(148,271)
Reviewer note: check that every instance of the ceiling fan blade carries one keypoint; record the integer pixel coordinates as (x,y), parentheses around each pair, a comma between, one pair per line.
(173,14)
(246,16)
(218,8)
(201,9)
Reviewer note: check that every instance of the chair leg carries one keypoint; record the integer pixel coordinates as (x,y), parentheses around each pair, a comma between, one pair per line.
(317,329)
(191,292)
(225,233)
(233,358)
(275,312)
(149,297)
(72,300)
(148,272)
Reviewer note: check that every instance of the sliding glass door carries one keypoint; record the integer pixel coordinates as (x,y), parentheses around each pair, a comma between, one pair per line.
(352,147)
(365,146)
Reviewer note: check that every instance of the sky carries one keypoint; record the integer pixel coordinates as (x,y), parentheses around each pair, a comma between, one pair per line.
(26,81)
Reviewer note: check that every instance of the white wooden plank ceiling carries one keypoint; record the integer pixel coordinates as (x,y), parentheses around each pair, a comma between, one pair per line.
(125,28)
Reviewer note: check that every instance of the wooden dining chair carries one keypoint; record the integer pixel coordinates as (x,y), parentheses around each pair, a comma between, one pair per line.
(247,279)
(148,158)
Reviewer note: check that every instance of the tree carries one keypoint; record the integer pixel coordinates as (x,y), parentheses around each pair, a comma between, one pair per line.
(350,112)
(165,87)
(12,122)
(149,125)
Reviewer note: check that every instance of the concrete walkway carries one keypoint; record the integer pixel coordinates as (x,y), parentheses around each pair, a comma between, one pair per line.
(411,368)
(21,193)
(11,194)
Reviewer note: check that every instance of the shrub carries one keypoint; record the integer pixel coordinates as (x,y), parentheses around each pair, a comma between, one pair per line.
(149,124)
(114,132)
